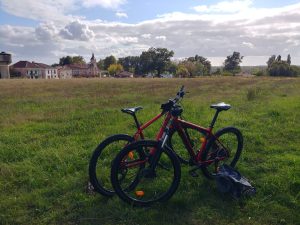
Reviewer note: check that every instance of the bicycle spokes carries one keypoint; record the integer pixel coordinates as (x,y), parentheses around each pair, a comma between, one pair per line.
(139,180)
(222,151)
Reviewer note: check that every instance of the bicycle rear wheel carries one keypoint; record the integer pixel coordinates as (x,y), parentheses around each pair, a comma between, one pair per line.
(227,144)
(134,181)
(101,161)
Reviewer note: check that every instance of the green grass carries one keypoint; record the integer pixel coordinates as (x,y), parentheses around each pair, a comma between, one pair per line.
(48,130)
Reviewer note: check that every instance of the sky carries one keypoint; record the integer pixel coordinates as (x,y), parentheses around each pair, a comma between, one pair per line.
(46,30)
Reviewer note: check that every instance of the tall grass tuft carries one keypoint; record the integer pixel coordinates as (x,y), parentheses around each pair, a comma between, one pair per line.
(253,93)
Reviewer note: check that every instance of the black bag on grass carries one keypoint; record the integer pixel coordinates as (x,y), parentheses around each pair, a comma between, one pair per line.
(231,181)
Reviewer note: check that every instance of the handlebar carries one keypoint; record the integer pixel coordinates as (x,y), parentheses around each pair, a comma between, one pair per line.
(168,105)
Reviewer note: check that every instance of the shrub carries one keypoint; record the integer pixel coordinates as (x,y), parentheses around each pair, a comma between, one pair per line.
(227,73)
(259,72)
(282,68)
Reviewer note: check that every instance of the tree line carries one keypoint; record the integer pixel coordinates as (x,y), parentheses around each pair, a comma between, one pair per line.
(157,61)
(276,66)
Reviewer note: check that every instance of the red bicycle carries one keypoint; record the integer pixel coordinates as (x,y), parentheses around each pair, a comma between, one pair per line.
(100,162)
(148,171)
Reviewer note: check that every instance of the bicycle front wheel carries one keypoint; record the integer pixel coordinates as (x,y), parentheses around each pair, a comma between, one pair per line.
(226,145)
(137,184)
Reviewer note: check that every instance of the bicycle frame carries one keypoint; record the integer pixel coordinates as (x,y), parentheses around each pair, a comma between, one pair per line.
(179,125)
(139,132)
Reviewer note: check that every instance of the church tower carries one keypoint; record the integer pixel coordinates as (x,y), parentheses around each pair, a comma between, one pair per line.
(93,66)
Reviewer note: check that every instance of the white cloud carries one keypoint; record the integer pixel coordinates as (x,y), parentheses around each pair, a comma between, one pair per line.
(225,7)
(163,38)
(146,36)
(42,10)
(46,31)
(121,15)
(253,31)
(77,30)
(54,10)
(248,44)
(109,4)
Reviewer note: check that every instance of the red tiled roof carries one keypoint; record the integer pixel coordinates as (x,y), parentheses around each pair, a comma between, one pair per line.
(26,64)
(78,66)
(42,65)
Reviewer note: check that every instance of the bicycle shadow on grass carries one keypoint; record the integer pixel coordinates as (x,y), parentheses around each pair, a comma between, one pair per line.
(196,201)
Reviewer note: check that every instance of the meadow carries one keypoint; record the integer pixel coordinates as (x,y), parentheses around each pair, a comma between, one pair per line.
(49,128)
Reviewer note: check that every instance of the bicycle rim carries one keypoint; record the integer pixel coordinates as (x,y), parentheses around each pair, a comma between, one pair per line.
(136,183)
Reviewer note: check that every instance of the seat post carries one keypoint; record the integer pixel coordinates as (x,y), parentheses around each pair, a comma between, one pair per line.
(214,119)
(136,121)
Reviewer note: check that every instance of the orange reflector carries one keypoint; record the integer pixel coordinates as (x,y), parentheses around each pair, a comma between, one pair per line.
(202,139)
(130,155)
(139,193)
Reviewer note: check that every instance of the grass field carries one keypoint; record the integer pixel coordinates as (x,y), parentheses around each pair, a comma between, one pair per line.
(48,130)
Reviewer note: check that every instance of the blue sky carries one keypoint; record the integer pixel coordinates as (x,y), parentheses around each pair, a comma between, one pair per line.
(46,30)
(137,10)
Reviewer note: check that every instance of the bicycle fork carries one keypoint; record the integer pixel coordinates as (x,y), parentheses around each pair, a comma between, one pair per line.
(154,160)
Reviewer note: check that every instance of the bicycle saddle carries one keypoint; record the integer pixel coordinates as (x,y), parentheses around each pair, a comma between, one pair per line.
(131,111)
(221,106)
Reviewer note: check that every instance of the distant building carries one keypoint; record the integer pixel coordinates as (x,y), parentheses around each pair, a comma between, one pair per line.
(166,75)
(64,72)
(83,70)
(34,70)
(124,74)
(5,60)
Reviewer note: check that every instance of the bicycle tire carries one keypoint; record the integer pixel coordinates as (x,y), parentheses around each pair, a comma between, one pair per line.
(214,148)
(98,174)
(143,180)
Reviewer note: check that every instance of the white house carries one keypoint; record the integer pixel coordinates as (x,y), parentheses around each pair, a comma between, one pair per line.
(34,70)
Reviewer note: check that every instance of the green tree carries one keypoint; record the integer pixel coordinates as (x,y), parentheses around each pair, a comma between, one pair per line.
(204,61)
(114,69)
(289,60)
(190,66)
(278,59)
(271,60)
(295,70)
(78,60)
(155,60)
(172,67)
(130,63)
(100,64)
(65,60)
(195,67)
(280,68)
(109,60)
(182,71)
(232,63)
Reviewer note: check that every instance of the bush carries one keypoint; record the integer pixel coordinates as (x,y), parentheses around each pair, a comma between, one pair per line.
(295,71)
(259,72)
(282,68)
(227,73)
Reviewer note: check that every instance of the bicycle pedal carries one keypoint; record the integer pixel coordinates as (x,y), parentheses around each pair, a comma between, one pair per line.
(193,173)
